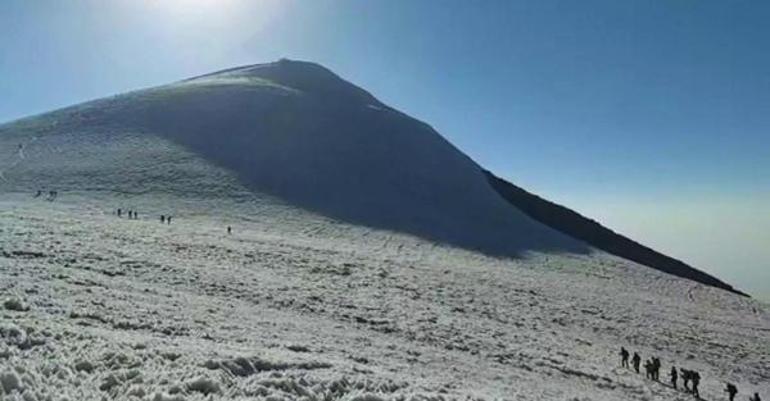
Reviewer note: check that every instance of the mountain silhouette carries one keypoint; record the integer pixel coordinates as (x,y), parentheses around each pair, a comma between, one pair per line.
(296,131)
(591,232)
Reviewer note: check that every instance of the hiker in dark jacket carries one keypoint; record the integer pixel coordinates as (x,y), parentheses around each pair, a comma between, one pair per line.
(656,369)
(755,397)
(623,357)
(648,369)
(674,377)
(686,377)
(695,382)
(731,391)
(636,360)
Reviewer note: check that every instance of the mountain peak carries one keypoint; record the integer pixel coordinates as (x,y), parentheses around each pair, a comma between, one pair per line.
(282,66)
(304,76)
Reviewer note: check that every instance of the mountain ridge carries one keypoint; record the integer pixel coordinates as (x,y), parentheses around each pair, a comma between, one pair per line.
(592,232)
(298,131)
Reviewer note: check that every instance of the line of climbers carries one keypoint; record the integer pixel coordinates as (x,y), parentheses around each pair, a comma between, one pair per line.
(689,377)
(132,214)
(164,219)
(51,195)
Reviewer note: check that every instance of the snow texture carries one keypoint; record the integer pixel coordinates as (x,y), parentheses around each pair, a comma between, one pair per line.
(433,288)
(295,306)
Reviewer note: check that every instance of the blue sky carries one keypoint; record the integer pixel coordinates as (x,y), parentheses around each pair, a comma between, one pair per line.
(651,116)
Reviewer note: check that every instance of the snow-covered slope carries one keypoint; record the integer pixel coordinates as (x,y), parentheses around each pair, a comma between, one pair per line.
(291,306)
(352,272)
(291,130)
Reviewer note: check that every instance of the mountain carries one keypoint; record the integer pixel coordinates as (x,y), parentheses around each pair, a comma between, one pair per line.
(297,132)
(323,247)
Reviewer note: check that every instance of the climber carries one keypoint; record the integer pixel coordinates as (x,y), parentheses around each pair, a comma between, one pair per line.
(623,357)
(636,360)
(695,382)
(674,377)
(656,369)
(731,391)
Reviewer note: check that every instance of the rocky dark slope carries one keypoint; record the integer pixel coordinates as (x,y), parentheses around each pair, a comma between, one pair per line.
(577,226)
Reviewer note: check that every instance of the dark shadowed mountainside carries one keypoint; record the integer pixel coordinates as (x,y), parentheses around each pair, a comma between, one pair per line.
(577,226)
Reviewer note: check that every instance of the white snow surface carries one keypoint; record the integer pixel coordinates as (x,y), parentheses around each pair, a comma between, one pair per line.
(305,301)
(296,306)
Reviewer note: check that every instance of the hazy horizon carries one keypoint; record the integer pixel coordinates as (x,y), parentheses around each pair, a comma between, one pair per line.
(650,118)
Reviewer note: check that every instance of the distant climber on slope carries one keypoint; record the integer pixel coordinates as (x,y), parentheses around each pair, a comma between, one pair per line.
(674,377)
(229,230)
(686,377)
(168,219)
(656,369)
(649,368)
(636,360)
(162,219)
(38,194)
(755,397)
(695,382)
(623,357)
(731,390)
(120,212)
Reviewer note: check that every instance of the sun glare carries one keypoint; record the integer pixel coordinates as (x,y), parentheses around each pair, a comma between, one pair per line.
(214,17)
(211,8)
